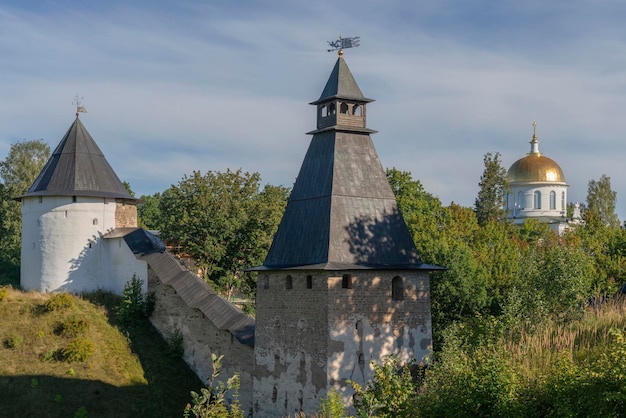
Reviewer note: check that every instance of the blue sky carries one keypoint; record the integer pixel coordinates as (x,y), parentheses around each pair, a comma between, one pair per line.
(176,86)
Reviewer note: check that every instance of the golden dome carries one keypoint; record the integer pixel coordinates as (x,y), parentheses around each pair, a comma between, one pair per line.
(534,167)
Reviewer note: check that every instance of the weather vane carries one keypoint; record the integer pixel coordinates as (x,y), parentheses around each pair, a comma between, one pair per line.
(78,102)
(343,43)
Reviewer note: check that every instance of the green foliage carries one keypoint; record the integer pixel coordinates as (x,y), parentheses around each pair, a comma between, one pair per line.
(59,302)
(493,187)
(331,406)
(4,293)
(390,393)
(78,349)
(224,223)
(13,341)
(72,327)
(81,413)
(601,201)
(175,344)
(149,213)
(135,305)
(17,172)
(211,402)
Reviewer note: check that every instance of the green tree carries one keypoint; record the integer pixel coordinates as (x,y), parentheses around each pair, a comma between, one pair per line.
(149,211)
(224,222)
(18,171)
(493,187)
(601,200)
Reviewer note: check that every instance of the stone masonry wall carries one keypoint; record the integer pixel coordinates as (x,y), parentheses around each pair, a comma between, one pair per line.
(201,338)
(125,215)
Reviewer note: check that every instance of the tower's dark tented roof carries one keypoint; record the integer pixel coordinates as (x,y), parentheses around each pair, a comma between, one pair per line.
(342,213)
(77,167)
(341,85)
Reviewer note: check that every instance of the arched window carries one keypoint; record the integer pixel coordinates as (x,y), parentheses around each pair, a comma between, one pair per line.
(552,199)
(562,200)
(520,200)
(288,283)
(537,200)
(397,288)
(357,110)
(309,282)
(330,109)
(346,281)
(344,108)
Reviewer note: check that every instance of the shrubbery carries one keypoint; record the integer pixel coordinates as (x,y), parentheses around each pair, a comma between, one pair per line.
(59,302)
(79,349)
(135,305)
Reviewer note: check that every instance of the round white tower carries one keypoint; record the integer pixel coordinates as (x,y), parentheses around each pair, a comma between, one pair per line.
(537,188)
(76,199)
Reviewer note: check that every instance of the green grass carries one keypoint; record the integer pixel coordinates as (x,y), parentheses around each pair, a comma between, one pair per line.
(128,374)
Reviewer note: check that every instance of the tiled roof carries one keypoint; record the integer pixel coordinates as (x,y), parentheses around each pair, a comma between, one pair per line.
(77,167)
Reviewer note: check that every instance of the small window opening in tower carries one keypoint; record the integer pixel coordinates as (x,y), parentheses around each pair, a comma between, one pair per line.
(90,245)
(40,199)
(66,214)
(330,109)
(397,288)
(95,221)
(74,199)
(552,200)
(346,281)
(357,110)
(344,108)
(288,283)
(274,394)
(361,360)
(537,200)
(562,200)
(309,282)
(266,282)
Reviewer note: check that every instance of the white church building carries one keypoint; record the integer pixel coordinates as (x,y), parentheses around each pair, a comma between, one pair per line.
(537,189)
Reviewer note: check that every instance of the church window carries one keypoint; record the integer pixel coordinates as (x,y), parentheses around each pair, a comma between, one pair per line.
(344,108)
(95,221)
(74,199)
(66,214)
(309,282)
(357,110)
(552,199)
(266,282)
(562,200)
(330,109)
(537,200)
(346,281)
(288,283)
(397,288)
(520,200)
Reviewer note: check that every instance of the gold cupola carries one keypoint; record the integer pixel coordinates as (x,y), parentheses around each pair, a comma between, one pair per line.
(534,167)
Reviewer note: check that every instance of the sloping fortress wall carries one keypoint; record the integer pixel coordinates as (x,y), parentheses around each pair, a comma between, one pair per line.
(208,323)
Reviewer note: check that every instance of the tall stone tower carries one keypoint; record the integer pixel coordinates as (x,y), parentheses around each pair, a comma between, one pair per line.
(342,284)
(74,202)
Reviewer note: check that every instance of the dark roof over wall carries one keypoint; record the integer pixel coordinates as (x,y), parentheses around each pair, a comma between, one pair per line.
(342,213)
(77,167)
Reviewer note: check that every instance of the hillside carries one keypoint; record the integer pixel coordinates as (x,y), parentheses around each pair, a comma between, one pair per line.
(128,373)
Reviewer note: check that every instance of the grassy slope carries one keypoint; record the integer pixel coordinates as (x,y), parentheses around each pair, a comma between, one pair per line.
(128,375)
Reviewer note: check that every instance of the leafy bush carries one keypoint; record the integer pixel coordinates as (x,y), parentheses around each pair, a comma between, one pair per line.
(175,344)
(72,327)
(59,302)
(4,292)
(332,406)
(211,401)
(13,341)
(135,305)
(389,394)
(79,349)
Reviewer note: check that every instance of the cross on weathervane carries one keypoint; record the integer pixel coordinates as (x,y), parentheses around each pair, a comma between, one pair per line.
(343,43)
(78,102)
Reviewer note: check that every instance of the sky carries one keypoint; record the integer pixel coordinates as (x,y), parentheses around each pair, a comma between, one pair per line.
(176,86)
